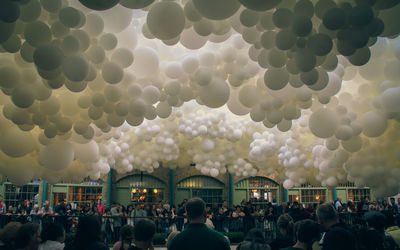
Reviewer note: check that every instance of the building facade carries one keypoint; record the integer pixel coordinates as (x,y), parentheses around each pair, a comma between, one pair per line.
(175,186)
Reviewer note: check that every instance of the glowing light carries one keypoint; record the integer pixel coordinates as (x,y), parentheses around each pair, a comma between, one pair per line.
(155,191)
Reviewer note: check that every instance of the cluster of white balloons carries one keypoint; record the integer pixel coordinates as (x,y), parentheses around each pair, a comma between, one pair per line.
(135,85)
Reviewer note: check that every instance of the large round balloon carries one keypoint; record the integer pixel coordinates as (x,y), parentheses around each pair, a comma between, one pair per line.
(215,94)
(217,10)
(166,20)
(323,123)
(57,155)
(136,4)
(16,143)
(260,5)
(99,4)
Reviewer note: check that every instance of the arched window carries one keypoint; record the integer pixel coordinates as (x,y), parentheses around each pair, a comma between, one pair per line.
(14,194)
(140,188)
(209,189)
(258,189)
(350,192)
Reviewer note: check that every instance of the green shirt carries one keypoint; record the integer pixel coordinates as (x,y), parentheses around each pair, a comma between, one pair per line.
(198,236)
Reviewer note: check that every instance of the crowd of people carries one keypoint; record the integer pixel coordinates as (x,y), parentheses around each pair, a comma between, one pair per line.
(251,217)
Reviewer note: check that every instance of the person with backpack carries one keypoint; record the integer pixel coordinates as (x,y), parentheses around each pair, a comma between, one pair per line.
(337,235)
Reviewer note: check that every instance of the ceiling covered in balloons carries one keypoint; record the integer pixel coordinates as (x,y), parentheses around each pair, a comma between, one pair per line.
(307,90)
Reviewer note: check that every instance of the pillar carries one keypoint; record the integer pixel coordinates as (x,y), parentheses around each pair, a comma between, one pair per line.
(231,190)
(172,186)
(334,194)
(44,192)
(285,197)
(109,188)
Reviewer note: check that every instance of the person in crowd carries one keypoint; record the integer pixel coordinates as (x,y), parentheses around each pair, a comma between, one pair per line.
(393,205)
(375,237)
(129,213)
(237,219)
(116,212)
(88,235)
(100,207)
(28,237)
(254,240)
(181,213)
(143,234)
(172,219)
(398,205)
(166,205)
(394,230)
(337,235)
(69,214)
(46,209)
(8,235)
(2,206)
(126,238)
(338,203)
(220,219)
(307,233)
(285,237)
(53,237)
(107,226)
(60,210)
(197,235)
(35,214)
(249,218)
(138,212)
(363,205)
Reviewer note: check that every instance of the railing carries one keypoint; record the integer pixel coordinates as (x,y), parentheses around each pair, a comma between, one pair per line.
(165,225)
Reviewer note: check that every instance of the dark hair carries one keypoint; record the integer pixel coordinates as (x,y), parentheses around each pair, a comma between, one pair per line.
(254,240)
(307,231)
(144,230)
(195,208)
(126,233)
(376,220)
(326,212)
(52,231)
(285,221)
(9,232)
(255,235)
(88,232)
(25,234)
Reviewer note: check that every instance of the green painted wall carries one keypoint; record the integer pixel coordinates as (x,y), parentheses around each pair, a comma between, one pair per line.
(182,194)
(122,195)
(240,194)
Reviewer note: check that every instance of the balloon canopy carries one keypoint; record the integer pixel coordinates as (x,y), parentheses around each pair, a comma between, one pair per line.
(307,90)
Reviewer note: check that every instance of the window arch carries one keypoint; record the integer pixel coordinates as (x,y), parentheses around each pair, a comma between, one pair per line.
(137,181)
(209,189)
(140,188)
(200,181)
(257,189)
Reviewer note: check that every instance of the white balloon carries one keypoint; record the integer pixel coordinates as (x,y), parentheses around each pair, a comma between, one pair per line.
(57,155)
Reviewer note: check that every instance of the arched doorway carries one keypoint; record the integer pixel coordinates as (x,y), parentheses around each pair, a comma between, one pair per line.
(139,188)
(258,189)
(209,189)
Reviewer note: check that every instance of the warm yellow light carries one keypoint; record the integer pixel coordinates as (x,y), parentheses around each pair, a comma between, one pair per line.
(297,198)
(155,191)
(144,190)
(254,190)
(317,197)
(134,191)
